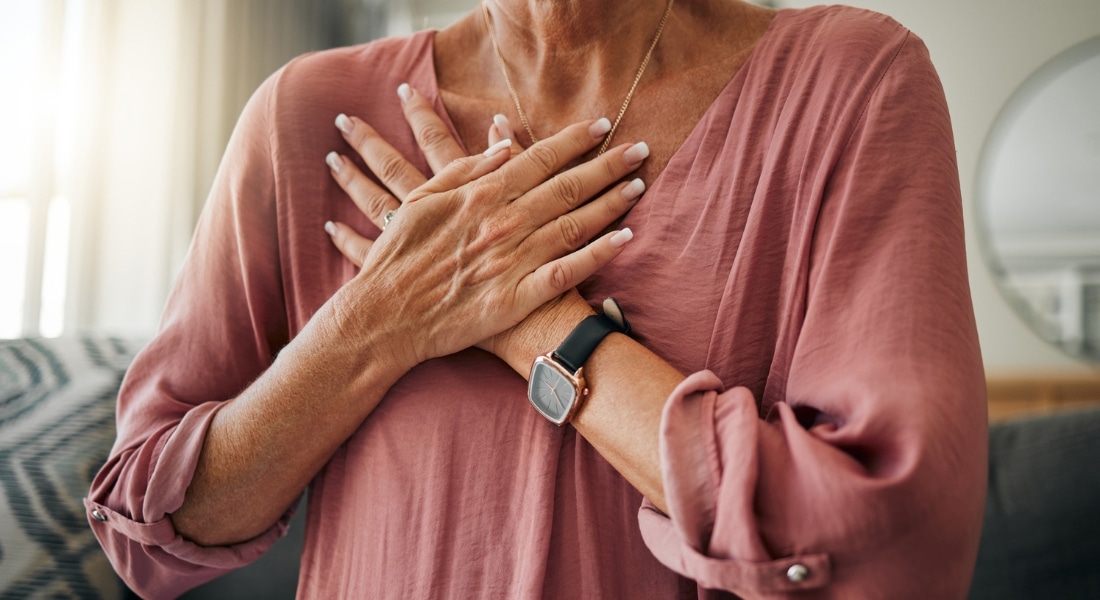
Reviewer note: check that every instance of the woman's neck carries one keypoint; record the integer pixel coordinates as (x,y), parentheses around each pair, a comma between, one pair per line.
(568,52)
(570,40)
(575,59)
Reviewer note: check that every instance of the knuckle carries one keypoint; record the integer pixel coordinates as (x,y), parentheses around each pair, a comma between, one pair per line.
(571,231)
(377,206)
(493,231)
(432,136)
(390,167)
(544,157)
(611,169)
(568,188)
(560,276)
(616,209)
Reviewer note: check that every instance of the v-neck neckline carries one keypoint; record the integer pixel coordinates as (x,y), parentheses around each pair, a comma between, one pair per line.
(733,87)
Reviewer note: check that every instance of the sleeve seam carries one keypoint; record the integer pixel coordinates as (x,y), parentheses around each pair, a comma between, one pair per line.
(874,90)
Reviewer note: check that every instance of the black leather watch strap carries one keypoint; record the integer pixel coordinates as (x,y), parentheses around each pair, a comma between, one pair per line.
(582,341)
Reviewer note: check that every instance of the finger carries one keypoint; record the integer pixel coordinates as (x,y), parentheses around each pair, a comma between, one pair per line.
(348,241)
(373,200)
(464,170)
(570,189)
(572,230)
(391,168)
(558,276)
(551,155)
(501,129)
(432,135)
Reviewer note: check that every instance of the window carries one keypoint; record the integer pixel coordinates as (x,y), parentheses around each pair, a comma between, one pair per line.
(113,118)
(37,45)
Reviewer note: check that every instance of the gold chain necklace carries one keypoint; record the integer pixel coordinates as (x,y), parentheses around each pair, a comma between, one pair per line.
(626,101)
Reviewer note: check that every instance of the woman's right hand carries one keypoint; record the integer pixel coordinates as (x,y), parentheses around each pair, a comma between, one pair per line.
(485,242)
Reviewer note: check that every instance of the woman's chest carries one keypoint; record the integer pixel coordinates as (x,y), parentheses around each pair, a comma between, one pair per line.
(662,114)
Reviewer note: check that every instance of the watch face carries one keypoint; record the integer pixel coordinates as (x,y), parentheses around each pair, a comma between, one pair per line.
(552,390)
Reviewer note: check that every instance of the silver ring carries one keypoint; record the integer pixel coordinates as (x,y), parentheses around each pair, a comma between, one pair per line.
(389,217)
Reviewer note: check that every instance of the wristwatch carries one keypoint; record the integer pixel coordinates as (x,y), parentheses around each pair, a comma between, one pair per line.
(556,387)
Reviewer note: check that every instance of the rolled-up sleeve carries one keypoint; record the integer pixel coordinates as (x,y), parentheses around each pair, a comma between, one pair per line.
(863,473)
(702,484)
(222,326)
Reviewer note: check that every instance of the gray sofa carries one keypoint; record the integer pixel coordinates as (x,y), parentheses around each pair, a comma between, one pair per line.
(1041,537)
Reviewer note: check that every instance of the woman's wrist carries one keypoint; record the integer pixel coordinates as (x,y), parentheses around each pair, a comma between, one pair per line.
(359,325)
(542,331)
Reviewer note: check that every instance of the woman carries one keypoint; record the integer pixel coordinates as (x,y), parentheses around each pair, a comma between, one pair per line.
(799,257)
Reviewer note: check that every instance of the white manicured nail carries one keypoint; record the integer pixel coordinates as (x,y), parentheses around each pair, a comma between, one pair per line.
(334,161)
(504,126)
(405,92)
(343,123)
(497,147)
(621,237)
(633,189)
(600,127)
(330,228)
(635,154)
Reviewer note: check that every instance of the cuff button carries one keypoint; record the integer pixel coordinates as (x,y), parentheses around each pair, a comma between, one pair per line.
(797,573)
(98,516)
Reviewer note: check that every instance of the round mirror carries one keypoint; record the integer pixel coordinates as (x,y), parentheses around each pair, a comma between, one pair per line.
(1039,200)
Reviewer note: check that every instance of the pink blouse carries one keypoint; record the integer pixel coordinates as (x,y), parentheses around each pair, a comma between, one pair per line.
(801,254)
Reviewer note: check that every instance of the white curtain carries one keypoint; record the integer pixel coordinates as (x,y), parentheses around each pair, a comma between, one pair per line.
(134,101)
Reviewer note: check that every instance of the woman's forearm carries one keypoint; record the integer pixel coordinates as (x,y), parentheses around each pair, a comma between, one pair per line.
(628,386)
(622,416)
(264,446)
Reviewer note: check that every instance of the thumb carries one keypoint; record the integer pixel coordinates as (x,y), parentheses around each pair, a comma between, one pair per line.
(502,129)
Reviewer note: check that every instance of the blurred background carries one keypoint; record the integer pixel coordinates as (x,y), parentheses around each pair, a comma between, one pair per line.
(114,115)
(113,118)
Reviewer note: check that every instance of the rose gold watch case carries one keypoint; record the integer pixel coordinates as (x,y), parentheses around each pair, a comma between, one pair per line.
(576,382)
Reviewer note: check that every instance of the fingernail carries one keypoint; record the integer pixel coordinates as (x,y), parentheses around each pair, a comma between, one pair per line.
(334,161)
(497,147)
(405,92)
(504,127)
(633,189)
(343,123)
(330,228)
(600,127)
(635,154)
(621,237)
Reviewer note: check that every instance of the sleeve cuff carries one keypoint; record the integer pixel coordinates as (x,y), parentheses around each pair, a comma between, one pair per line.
(787,574)
(695,480)
(162,534)
(173,467)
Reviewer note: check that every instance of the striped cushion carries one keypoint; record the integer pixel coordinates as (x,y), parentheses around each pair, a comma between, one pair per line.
(57,409)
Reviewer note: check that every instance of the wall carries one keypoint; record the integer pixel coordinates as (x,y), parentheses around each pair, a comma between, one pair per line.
(984,49)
